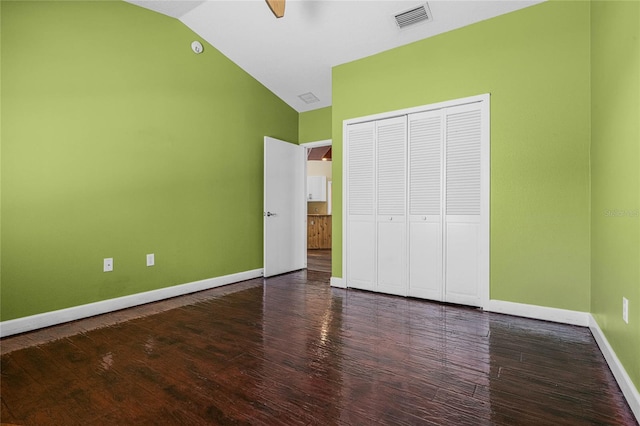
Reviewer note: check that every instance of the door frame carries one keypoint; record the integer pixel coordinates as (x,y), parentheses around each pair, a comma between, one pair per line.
(484,99)
(309,145)
(317,144)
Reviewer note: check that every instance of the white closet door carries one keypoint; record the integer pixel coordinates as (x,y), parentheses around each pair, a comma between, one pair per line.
(360,206)
(417,202)
(425,194)
(463,190)
(391,205)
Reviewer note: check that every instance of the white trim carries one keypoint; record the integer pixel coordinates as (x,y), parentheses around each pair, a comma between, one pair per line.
(47,319)
(338,282)
(629,390)
(484,267)
(422,108)
(343,212)
(317,144)
(538,312)
(309,145)
(583,319)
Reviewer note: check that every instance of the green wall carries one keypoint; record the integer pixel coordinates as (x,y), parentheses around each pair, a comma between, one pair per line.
(615,174)
(314,125)
(0,158)
(118,141)
(535,63)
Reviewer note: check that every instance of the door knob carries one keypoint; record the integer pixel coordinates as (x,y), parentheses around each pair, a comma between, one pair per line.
(269,214)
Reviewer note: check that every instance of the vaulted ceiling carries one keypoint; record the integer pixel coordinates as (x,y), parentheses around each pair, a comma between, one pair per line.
(294,55)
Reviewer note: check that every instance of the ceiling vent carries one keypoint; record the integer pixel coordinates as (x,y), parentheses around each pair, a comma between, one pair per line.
(413,16)
(309,98)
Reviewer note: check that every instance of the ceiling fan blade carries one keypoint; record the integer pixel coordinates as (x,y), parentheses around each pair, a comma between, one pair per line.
(277,7)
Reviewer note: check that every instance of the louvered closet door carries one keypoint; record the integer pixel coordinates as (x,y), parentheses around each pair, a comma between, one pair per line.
(463,189)
(391,205)
(360,206)
(425,194)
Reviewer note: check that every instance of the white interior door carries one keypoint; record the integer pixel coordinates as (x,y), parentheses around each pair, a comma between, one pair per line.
(425,216)
(464,210)
(360,208)
(284,207)
(391,205)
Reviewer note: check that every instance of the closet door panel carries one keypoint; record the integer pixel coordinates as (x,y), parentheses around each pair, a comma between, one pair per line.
(463,143)
(360,207)
(391,205)
(462,263)
(425,139)
(425,259)
(392,245)
(361,254)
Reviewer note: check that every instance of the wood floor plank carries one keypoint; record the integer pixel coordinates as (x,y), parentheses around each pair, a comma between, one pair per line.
(291,350)
(319,260)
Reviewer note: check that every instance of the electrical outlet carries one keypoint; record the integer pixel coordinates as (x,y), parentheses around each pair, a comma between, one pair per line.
(108,264)
(151,260)
(625,310)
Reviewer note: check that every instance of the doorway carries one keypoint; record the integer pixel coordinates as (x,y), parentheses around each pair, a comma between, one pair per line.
(319,209)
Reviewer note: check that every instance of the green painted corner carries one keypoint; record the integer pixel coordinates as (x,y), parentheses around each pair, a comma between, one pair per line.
(0,156)
(615,176)
(565,119)
(118,142)
(314,125)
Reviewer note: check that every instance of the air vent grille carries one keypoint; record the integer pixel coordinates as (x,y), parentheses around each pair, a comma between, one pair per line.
(413,16)
(309,98)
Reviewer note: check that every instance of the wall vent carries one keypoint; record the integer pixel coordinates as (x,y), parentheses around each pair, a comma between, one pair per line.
(413,16)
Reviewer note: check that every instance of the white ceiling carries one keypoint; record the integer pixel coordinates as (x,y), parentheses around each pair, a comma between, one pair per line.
(294,55)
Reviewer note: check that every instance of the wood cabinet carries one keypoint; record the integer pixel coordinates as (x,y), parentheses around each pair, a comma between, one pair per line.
(318,231)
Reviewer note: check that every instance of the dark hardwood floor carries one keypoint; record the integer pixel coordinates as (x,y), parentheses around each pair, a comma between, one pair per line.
(291,350)
(319,260)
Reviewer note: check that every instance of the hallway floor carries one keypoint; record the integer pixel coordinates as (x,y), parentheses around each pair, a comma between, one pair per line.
(319,260)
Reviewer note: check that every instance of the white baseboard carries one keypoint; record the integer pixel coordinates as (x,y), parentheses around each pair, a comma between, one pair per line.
(624,381)
(583,319)
(47,319)
(538,312)
(338,282)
